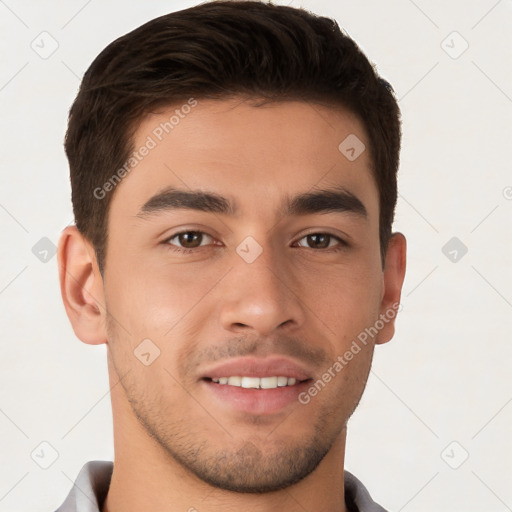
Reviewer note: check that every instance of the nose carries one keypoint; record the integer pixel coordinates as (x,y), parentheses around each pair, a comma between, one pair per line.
(261,296)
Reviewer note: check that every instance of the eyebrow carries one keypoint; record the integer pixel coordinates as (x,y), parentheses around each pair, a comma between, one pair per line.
(318,201)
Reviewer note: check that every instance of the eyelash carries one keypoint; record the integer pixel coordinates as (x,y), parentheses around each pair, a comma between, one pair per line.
(184,250)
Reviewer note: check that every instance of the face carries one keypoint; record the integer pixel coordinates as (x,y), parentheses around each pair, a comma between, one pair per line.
(244,246)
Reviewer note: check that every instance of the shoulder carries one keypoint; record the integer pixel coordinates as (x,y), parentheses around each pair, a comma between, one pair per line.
(90,488)
(357,497)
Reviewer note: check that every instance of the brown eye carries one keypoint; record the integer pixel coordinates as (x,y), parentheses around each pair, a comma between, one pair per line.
(188,240)
(321,241)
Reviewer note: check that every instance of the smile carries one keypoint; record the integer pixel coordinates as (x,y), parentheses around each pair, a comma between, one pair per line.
(256,382)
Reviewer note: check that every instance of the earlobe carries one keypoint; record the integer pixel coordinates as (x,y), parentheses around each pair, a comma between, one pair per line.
(81,286)
(393,277)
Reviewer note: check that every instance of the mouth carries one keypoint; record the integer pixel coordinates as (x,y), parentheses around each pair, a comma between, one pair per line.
(256,386)
(246,382)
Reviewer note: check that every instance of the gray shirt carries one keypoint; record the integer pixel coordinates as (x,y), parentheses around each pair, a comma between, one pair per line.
(91,487)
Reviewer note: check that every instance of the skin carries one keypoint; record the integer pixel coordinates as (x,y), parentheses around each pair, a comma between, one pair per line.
(177,448)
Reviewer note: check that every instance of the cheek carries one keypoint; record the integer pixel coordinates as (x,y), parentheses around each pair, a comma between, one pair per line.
(169,306)
(151,299)
(345,298)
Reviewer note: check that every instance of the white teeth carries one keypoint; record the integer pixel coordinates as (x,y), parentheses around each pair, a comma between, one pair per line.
(282,381)
(257,382)
(268,382)
(250,382)
(235,381)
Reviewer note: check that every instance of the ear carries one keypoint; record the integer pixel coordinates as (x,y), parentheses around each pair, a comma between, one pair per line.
(393,278)
(81,286)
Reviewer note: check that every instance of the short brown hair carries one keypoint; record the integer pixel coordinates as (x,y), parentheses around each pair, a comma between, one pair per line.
(218,50)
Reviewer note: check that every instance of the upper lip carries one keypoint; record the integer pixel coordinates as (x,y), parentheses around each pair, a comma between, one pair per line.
(257,367)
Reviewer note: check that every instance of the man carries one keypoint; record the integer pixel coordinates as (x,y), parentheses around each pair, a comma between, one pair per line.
(233,172)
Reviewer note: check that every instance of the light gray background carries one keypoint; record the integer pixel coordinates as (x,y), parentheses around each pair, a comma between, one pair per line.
(441,390)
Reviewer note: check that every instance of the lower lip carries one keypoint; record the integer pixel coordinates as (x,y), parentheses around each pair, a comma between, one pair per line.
(256,401)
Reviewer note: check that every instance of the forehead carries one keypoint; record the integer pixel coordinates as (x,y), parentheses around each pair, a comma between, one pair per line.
(247,153)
